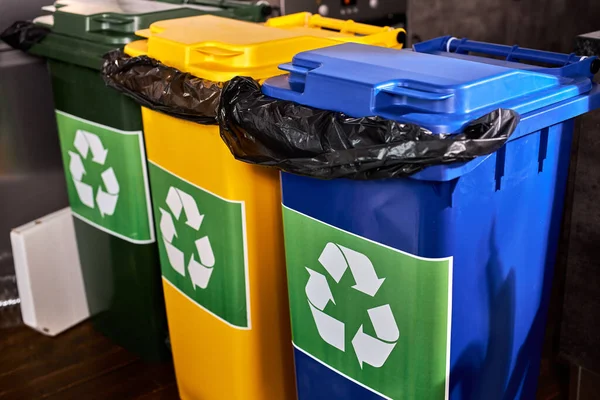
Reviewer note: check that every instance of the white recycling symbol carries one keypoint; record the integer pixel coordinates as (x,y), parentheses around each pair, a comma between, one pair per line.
(200,271)
(86,142)
(336,259)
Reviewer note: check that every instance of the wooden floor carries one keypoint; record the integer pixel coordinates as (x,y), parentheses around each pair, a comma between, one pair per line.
(83,365)
(79,364)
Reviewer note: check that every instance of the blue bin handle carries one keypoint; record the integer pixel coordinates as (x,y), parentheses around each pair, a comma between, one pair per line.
(568,64)
(416,93)
(511,53)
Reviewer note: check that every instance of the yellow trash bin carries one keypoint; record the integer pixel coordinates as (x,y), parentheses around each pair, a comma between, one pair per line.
(218,220)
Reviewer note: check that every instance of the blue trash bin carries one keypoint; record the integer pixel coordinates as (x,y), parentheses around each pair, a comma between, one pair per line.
(434,286)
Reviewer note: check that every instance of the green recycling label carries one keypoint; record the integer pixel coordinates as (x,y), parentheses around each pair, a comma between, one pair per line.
(107,179)
(372,313)
(202,246)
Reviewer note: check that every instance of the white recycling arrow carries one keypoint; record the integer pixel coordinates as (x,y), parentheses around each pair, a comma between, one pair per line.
(384,323)
(336,259)
(200,271)
(81,144)
(176,258)
(207,257)
(99,153)
(363,271)
(317,290)
(85,193)
(167,226)
(199,274)
(333,260)
(106,202)
(178,199)
(110,181)
(76,166)
(330,329)
(370,350)
(174,202)
(194,219)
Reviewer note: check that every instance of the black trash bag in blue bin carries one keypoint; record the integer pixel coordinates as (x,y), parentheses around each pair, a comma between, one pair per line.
(262,130)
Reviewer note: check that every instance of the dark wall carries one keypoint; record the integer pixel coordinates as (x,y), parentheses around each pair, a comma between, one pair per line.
(542,24)
(14,10)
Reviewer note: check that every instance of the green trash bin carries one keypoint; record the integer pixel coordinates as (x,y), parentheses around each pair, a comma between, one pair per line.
(103,154)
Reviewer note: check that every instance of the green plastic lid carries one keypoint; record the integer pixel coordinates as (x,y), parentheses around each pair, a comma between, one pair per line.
(82,32)
(112,22)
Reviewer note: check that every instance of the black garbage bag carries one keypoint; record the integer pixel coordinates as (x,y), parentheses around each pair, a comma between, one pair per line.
(323,144)
(22,35)
(162,88)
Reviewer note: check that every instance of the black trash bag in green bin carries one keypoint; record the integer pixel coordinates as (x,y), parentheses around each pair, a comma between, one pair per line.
(22,35)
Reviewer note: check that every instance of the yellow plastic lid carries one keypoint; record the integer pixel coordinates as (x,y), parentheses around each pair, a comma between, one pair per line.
(218,49)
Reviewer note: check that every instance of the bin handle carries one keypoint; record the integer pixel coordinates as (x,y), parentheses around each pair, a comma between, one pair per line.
(344,26)
(295,69)
(217,51)
(511,53)
(112,19)
(416,93)
(567,65)
(220,3)
(317,21)
(405,99)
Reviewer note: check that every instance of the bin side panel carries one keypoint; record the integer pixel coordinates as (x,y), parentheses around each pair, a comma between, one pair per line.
(122,278)
(228,314)
(500,225)
(124,291)
(81,91)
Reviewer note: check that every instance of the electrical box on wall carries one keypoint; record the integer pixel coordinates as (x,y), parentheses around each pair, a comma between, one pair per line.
(376,12)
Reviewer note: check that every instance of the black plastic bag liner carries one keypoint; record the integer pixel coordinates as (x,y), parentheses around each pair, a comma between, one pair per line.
(22,35)
(323,144)
(162,88)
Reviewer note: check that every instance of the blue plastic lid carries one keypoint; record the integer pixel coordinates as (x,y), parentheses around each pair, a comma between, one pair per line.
(439,90)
